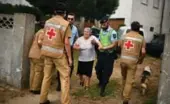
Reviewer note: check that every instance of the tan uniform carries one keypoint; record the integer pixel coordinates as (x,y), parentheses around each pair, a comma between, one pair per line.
(56,29)
(37,64)
(132,44)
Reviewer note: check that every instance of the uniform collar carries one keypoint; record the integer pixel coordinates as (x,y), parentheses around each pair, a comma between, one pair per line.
(58,16)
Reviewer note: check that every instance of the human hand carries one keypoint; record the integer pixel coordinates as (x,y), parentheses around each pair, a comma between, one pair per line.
(100,48)
(70,61)
(77,46)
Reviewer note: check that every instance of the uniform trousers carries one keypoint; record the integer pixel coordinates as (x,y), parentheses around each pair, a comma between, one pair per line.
(36,74)
(104,67)
(128,75)
(61,64)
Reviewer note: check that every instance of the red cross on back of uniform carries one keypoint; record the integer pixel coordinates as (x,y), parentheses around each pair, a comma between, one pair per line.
(51,33)
(128,44)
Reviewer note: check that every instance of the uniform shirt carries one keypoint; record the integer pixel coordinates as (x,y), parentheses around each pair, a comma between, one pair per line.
(74,34)
(87,49)
(35,50)
(56,30)
(113,38)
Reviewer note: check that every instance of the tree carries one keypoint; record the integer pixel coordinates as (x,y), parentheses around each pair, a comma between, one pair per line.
(88,8)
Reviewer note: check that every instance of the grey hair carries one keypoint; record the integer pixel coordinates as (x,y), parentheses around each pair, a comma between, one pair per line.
(88,28)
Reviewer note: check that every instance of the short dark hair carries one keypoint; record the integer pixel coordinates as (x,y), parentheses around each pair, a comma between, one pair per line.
(135,26)
(104,19)
(60,8)
(73,14)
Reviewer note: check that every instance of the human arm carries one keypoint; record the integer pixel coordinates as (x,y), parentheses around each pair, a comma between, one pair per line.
(67,45)
(142,53)
(76,45)
(40,35)
(95,41)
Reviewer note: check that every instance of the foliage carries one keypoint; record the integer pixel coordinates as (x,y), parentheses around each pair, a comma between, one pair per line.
(151,100)
(87,8)
(10,9)
(94,91)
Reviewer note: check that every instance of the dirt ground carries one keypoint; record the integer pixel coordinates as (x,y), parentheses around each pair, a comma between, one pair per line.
(9,95)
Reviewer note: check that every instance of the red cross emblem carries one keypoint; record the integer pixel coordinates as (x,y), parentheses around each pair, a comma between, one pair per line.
(51,33)
(128,44)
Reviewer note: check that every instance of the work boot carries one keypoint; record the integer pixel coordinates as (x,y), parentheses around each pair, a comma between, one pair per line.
(102,91)
(47,102)
(35,92)
(125,102)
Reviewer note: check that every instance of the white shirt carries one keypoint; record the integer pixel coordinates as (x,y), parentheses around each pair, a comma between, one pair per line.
(87,49)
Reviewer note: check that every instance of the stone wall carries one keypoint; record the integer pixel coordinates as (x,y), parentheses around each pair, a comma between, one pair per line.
(15,42)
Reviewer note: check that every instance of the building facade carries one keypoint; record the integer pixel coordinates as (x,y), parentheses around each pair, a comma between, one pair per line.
(148,13)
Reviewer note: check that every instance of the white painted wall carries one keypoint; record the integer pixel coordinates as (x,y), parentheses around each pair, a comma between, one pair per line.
(124,10)
(14,2)
(166,22)
(148,16)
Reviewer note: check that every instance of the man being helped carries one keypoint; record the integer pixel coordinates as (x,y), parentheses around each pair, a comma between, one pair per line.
(74,36)
(37,64)
(106,56)
(132,53)
(54,44)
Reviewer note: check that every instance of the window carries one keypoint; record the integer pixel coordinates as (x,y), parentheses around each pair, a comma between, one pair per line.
(156,4)
(151,29)
(145,2)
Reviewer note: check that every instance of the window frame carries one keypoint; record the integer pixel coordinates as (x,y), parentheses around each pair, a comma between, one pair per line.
(144,2)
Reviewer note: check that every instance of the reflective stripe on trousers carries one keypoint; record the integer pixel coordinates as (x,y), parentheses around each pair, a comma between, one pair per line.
(53,50)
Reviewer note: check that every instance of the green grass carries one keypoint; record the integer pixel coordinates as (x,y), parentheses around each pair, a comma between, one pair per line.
(151,100)
(94,92)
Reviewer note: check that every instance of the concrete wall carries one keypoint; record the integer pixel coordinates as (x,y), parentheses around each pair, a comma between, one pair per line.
(166,22)
(5,46)
(164,84)
(148,16)
(15,43)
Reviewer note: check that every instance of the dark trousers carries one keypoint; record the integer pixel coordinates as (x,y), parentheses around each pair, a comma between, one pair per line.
(104,67)
(72,68)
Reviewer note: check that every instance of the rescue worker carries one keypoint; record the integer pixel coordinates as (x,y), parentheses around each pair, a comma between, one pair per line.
(37,64)
(56,50)
(132,53)
(74,36)
(106,56)
(145,79)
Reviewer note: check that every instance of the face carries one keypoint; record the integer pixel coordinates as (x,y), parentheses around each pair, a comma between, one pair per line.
(71,19)
(87,33)
(104,25)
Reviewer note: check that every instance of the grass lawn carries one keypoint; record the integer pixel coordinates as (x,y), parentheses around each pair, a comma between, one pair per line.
(94,92)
